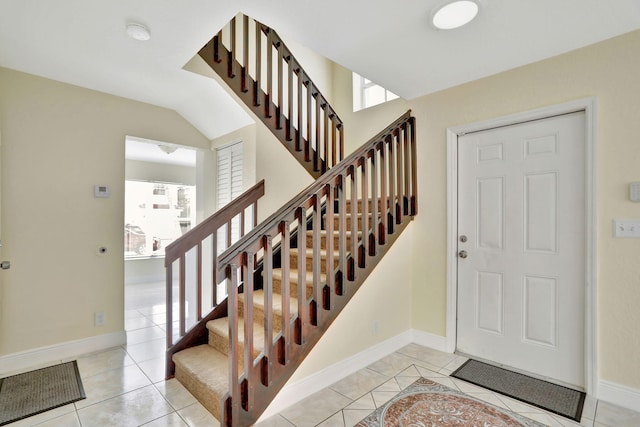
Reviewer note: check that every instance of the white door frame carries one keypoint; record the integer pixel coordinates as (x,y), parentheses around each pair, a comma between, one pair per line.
(589,106)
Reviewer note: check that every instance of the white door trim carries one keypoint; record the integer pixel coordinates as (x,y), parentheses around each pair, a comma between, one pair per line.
(589,106)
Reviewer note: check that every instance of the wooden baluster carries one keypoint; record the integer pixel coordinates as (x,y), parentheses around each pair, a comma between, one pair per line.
(298,135)
(315,260)
(354,221)
(242,219)
(169,292)
(289,133)
(267,100)
(285,256)
(182,293)
(280,85)
(217,39)
(399,176)
(255,214)
(229,229)
(334,151)
(316,125)
(330,265)
(373,241)
(382,236)
(232,50)
(232,301)
(407,168)
(258,63)
(199,282)
(342,228)
(214,269)
(341,129)
(365,212)
(245,52)
(302,275)
(247,274)
(307,146)
(325,136)
(268,310)
(392,182)
(414,175)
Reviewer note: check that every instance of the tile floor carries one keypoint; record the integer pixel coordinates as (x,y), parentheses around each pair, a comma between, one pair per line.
(125,385)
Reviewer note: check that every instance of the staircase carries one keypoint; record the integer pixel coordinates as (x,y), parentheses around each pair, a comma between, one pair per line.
(287,279)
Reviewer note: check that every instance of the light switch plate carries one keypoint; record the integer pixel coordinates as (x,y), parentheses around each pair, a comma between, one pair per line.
(634,191)
(626,228)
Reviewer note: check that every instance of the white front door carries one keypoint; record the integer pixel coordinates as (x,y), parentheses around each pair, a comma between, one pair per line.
(521,225)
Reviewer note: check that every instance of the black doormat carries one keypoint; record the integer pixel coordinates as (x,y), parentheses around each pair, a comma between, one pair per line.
(31,393)
(551,397)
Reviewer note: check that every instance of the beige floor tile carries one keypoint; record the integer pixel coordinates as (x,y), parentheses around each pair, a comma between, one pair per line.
(44,416)
(545,419)
(616,416)
(175,393)
(147,350)
(171,420)
(67,420)
(393,364)
(112,383)
(519,407)
(411,371)
(466,387)
(97,363)
(366,402)
(143,335)
(445,381)
(490,398)
(154,369)
(359,383)
(565,422)
(433,357)
(337,420)
(382,397)
(137,323)
(132,314)
(589,408)
(316,408)
(391,385)
(404,382)
(130,409)
(197,416)
(429,373)
(275,421)
(353,417)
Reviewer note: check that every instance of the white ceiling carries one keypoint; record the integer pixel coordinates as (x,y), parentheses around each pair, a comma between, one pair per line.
(391,42)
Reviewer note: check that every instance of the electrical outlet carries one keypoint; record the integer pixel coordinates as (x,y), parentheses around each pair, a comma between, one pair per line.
(98,318)
(626,228)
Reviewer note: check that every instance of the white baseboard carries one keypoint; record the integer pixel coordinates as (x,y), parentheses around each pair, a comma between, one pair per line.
(293,393)
(620,395)
(427,339)
(56,353)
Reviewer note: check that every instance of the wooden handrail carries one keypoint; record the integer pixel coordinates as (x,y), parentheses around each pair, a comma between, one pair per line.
(193,239)
(272,83)
(378,181)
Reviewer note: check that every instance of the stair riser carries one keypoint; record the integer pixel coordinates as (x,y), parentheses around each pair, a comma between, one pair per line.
(293,288)
(309,262)
(258,315)
(323,240)
(336,221)
(221,343)
(360,205)
(209,399)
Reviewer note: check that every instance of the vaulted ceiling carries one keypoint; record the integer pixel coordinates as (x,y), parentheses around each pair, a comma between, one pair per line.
(391,42)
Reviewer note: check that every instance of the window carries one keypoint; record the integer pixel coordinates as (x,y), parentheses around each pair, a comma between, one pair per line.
(156,214)
(229,175)
(367,94)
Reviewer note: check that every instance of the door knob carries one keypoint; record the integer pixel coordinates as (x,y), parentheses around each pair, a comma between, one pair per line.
(462,254)
(5,265)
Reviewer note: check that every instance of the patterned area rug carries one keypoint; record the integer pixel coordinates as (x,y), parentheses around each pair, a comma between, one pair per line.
(427,403)
(37,391)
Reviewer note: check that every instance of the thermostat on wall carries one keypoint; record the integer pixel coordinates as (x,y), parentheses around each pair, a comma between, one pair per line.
(101,191)
(634,191)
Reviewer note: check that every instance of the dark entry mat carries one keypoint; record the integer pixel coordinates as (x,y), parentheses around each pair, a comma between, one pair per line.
(551,397)
(31,393)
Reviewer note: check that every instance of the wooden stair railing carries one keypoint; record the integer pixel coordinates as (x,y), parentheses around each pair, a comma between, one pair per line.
(189,253)
(256,64)
(328,240)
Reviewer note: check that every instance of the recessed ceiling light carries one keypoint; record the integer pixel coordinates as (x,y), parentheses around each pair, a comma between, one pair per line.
(455,14)
(138,31)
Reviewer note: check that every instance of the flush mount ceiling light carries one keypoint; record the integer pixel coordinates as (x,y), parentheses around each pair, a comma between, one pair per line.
(454,14)
(138,31)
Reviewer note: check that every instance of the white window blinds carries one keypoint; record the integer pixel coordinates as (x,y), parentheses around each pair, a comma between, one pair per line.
(229,176)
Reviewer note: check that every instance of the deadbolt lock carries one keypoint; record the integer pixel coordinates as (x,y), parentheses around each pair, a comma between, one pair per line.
(463,238)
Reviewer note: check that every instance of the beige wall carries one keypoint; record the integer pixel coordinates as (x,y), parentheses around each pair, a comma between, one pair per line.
(608,71)
(58,141)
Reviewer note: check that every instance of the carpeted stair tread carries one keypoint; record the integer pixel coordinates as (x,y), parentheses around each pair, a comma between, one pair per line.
(309,252)
(204,371)
(219,336)
(258,303)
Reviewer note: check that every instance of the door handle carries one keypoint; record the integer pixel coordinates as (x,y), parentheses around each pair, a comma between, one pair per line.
(5,265)
(463,254)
